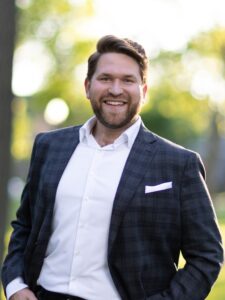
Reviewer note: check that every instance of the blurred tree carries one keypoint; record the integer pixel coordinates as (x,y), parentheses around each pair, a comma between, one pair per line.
(7,33)
(172,111)
(187,99)
(176,110)
(211,46)
(53,27)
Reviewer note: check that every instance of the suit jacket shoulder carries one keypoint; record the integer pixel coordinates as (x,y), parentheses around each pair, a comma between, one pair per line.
(58,135)
(167,147)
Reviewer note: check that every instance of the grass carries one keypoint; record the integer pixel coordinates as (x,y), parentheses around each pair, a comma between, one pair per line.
(218,290)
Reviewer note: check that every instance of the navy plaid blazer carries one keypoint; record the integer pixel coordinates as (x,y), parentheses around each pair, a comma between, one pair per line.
(147,231)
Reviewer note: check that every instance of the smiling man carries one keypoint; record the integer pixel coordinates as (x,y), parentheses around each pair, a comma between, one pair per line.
(116,91)
(109,206)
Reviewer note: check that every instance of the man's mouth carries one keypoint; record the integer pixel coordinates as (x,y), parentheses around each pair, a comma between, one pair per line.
(115,102)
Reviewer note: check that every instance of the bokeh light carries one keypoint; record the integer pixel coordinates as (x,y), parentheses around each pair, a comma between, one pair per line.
(32,63)
(56,111)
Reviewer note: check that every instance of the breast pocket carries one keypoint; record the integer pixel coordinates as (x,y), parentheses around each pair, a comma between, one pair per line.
(158,212)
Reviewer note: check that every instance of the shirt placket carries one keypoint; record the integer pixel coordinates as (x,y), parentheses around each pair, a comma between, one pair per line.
(82,227)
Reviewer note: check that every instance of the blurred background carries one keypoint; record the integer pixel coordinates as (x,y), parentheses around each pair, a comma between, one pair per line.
(44,46)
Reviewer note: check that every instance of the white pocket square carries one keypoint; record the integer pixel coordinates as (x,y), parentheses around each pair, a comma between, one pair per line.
(158,187)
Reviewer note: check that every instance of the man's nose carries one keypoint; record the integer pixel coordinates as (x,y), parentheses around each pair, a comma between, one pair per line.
(115,88)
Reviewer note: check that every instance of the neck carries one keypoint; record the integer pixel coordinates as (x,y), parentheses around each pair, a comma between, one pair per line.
(106,136)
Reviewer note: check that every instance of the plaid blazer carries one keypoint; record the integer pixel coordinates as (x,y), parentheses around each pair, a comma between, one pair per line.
(149,226)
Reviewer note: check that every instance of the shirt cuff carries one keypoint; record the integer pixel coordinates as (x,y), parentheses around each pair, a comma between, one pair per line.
(15,286)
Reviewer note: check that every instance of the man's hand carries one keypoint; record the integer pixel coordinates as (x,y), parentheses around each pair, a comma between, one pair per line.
(24,294)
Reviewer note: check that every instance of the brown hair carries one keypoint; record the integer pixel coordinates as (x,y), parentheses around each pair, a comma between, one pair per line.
(110,43)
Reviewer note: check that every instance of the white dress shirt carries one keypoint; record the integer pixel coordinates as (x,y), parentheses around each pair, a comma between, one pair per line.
(76,256)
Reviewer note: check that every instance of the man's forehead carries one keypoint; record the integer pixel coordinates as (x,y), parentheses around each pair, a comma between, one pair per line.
(117,62)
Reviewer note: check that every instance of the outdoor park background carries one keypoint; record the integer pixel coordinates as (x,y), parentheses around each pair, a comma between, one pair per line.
(44,46)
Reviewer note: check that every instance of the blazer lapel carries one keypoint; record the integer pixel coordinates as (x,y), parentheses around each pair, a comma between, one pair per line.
(137,164)
(59,160)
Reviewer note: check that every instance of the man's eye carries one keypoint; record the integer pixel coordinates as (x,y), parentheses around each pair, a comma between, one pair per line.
(128,80)
(104,78)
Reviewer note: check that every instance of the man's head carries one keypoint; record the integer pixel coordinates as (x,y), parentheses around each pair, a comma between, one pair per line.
(113,44)
(116,82)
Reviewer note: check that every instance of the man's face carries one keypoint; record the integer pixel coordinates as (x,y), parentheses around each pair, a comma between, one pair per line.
(116,91)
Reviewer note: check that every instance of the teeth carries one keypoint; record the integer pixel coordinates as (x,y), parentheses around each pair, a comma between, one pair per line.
(115,103)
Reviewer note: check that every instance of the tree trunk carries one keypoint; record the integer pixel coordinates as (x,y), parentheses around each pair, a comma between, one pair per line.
(213,153)
(7,34)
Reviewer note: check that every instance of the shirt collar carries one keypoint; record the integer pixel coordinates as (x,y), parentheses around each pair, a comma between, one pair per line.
(86,129)
(127,137)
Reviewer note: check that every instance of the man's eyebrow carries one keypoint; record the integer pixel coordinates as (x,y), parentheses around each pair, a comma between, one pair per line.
(104,74)
(123,75)
(129,76)
(109,75)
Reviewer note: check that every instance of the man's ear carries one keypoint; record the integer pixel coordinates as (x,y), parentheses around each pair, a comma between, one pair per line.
(87,88)
(144,91)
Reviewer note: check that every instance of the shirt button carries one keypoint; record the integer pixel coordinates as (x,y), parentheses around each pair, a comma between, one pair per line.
(77,252)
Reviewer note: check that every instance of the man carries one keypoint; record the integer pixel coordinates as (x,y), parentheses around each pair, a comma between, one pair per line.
(109,206)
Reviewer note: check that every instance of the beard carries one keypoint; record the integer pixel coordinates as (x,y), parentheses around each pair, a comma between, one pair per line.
(115,120)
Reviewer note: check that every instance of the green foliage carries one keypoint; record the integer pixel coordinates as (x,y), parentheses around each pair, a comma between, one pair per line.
(210,43)
(175,115)
(55,25)
(45,19)
(173,110)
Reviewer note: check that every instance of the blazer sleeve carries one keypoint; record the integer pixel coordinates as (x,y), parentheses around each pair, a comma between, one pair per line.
(13,265)
(201,243)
